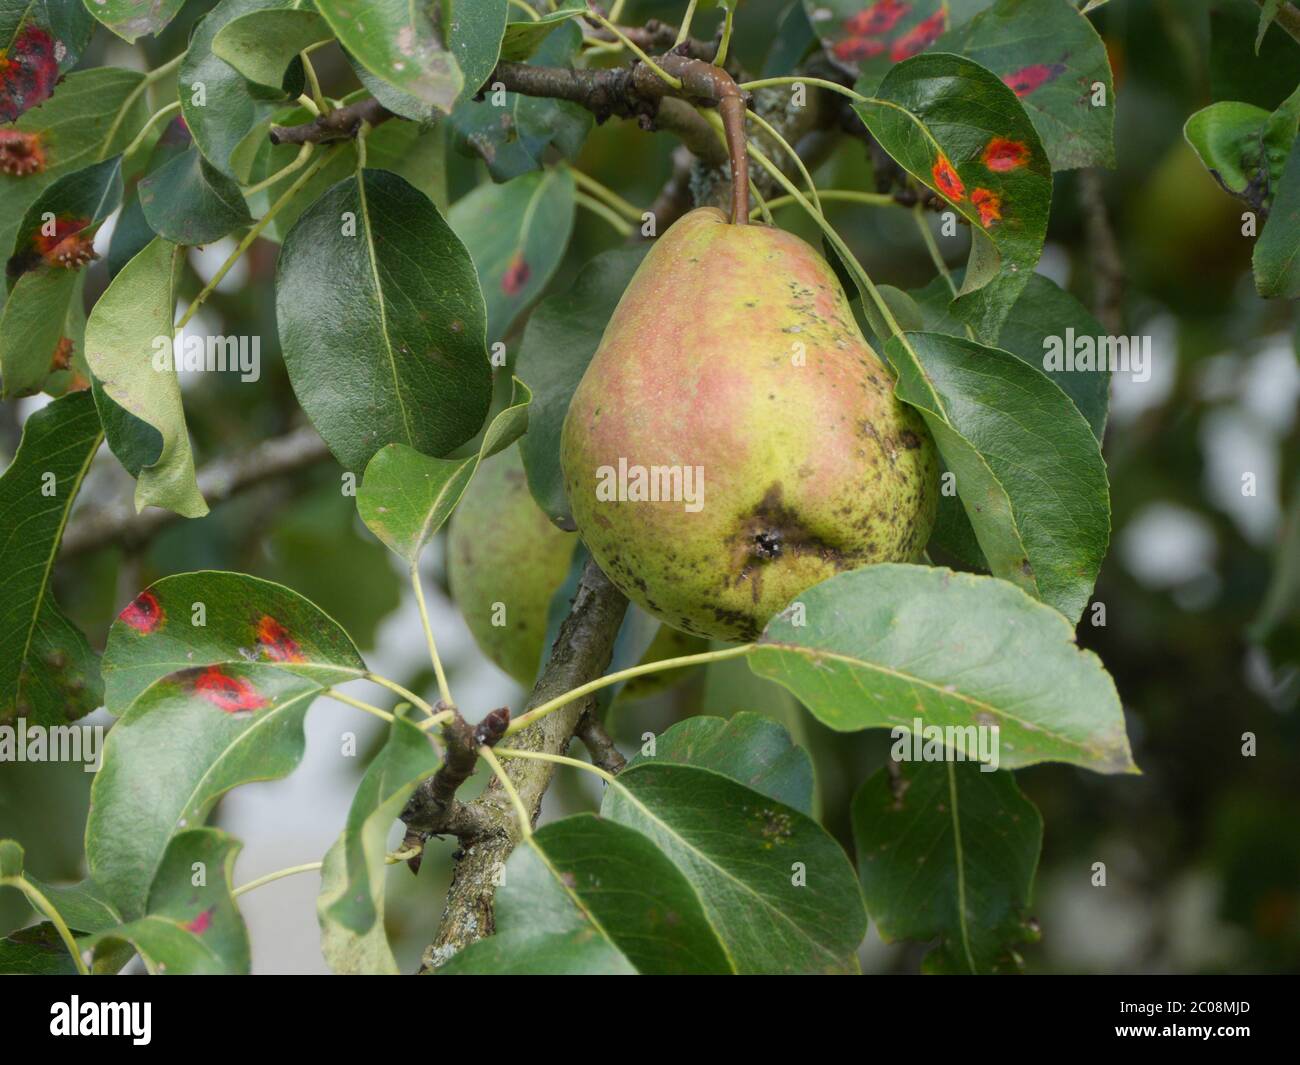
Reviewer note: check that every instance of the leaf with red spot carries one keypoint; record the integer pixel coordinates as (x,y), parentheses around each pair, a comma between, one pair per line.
(40,41)
(867,37)
(1052,58)
(56,231)
(92,117)
(186,928)
(48,673)
(943,118)
(516,234)
(213,618)
(188,739)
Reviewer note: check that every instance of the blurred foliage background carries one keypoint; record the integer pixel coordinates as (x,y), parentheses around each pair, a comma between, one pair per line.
(1202,851)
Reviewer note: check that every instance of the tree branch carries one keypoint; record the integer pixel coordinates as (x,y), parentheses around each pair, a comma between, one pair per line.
(1107,264)
(581,653)
(599,743)
(341,124)
(218,481)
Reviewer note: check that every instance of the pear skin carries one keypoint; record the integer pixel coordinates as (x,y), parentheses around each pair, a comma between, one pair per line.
(733,359)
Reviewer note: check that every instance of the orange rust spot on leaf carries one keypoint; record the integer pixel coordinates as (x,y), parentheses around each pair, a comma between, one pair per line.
(144,613)
(276,642)
(1028,79)
(62,357)
(919,37)
(516,275)
(854,48)
(28,71)
(945,177)
(231,694)
(1002,154)
(989,205)
(21,153)
(880,17)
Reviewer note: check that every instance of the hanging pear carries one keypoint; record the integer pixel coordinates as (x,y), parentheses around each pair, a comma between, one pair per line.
(735,440)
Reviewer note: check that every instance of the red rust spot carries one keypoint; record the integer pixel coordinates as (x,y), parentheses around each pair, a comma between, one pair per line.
(880,17)
(21,153)
(989,205)
(516,275)
(77,383)
(920,36)
(143,613)
(231,694)
(945,177)
(276,642)
(1027,79)
(28,72)
(201,923)
(62,358)
(65,247)
(854,48)
(1001,154)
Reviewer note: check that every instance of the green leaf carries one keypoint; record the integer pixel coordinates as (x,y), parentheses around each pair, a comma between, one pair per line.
(351,901)
(948,852)
(186,741)
(524,36)
(1051,57)
(887,644)
(93,116)
(407,46)
(35,951)
(48,673)
(590,896)
(214,618)
(516,234)
(513,133)
(1267,13)
(561,337)
(406,497)
(190,929)
(476,30)
(1028,469)
(382,322)
(1245,147)
(132,19)
(229,124)
(75,203)
(262,44)
(31,326)
(1044,315)
(958,129)
(404,148)
(41,40)
(82,906)
(748,748)
(777,889)
(128,328)
(188,201)
(1277,251)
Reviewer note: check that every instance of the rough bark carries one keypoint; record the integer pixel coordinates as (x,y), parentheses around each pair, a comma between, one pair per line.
(581,653)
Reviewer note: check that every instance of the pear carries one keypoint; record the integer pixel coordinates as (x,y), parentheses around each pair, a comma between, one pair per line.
(735,440)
